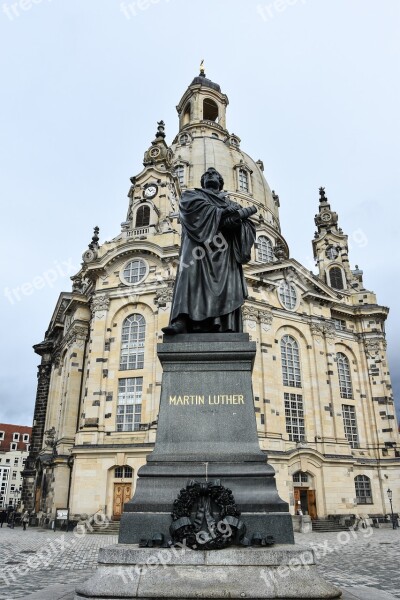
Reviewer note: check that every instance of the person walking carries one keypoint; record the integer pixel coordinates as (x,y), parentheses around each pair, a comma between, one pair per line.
(3,517)
(25,520)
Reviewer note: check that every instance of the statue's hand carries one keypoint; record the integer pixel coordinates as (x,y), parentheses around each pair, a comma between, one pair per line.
(229,210)
(231,220)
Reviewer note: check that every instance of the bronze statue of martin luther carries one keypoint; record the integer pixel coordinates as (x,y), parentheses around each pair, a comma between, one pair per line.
(217,237)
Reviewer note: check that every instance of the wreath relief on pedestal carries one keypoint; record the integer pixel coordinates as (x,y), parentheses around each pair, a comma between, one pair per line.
(194,519)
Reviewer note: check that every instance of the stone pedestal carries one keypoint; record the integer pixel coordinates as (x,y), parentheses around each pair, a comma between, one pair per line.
(206,430)
(284,571)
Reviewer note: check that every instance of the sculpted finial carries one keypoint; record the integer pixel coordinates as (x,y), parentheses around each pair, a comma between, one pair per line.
(160,129)
(202,72)
(95,239)
(322,196)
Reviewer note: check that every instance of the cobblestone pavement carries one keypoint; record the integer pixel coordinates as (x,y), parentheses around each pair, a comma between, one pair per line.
(367,557)
(33,560)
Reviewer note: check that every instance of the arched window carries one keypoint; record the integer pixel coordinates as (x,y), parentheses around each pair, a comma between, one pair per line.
(362,484)
(265,251)
(243,180)
(125,471)
(336,278)
(287,294)
(143,216)
(186,114)
(132,343)
(300,477)
(210,110)
(290,361)
(180,173)
(343,365)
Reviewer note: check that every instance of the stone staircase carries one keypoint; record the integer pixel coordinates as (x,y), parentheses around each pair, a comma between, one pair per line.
(327,525)
(112,528)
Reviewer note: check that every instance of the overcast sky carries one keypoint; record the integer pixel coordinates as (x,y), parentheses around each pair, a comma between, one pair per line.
(314,92)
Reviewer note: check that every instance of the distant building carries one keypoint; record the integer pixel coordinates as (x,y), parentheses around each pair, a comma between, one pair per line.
(323,398)
(14,450)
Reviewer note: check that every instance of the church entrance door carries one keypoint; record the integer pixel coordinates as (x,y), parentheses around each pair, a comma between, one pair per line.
(122,494)
(304,498)
(311,503)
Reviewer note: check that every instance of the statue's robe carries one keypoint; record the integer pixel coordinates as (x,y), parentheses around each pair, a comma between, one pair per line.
(210,286)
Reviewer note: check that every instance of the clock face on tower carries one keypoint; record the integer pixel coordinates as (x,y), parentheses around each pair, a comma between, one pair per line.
(150,191)
(326,217)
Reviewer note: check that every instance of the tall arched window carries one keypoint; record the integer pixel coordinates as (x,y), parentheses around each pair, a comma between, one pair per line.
(343,365)
(265,251)
(290,361)
(210,110)
(336,278)
(362,484)
(132,343)
(180,173)
(243,180)
(143,216)
(186,114)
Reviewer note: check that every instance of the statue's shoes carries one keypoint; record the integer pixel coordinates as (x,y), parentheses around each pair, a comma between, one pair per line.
(175,328)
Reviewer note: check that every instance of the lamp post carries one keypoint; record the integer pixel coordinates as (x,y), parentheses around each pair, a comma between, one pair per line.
(390,496)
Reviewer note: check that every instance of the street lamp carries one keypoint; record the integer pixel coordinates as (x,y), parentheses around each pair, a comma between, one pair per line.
(390,496)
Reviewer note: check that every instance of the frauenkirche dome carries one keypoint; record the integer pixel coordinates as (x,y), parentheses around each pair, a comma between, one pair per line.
(203,141)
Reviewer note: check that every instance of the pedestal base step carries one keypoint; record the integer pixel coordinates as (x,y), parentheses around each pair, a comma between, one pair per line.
(127,571)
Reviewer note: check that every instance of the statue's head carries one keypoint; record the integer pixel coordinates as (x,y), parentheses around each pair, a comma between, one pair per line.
(212,179)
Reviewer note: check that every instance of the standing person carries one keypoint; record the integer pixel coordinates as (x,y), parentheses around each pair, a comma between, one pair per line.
(11,519)
(3,517)
(25,520)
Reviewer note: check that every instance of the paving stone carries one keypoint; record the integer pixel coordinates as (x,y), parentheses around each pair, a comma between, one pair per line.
(365,564)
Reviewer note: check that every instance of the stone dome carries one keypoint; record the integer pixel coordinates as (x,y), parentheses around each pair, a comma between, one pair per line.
(203,141)
(203,80)
(205,150)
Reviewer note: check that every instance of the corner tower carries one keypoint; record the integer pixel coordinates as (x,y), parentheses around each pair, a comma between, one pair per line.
(331,249)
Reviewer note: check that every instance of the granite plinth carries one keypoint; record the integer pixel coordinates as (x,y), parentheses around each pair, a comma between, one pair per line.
(126,571)
(206,430)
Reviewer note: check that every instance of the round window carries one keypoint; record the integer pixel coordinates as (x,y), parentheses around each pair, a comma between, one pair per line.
(287,295)
(135,271)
